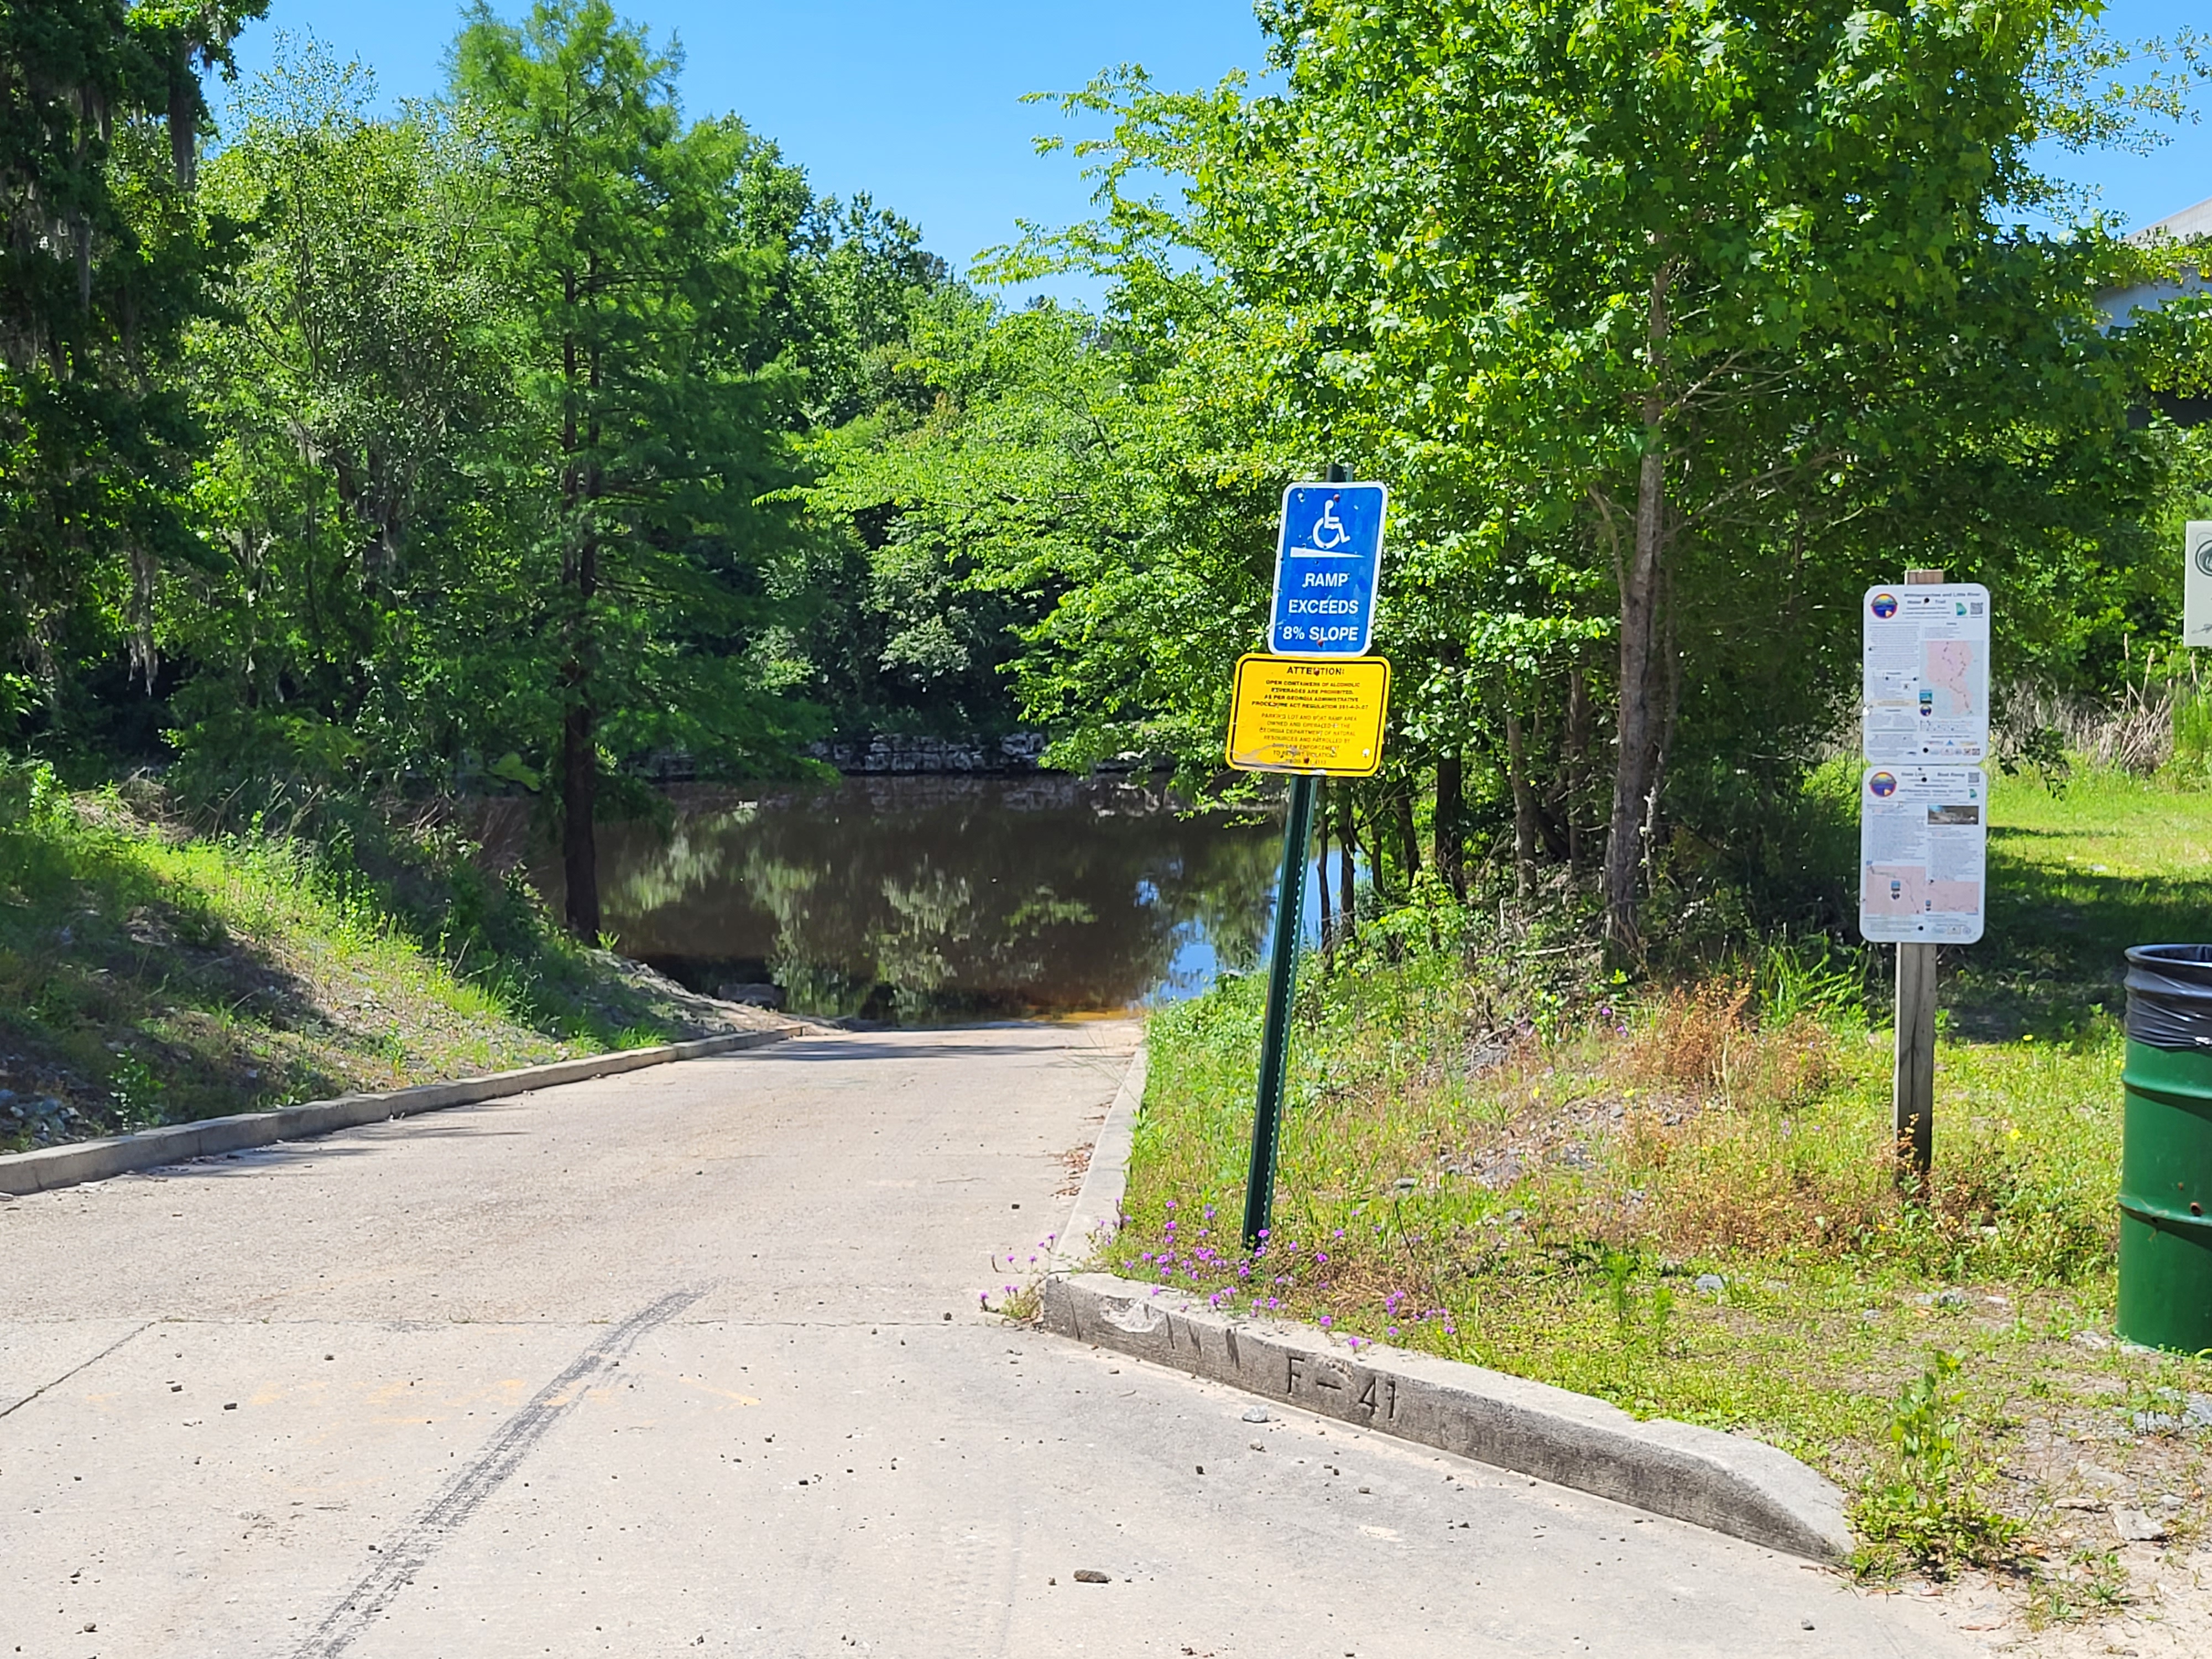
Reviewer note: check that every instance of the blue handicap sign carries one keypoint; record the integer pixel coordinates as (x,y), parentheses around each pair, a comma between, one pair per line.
(1326,567)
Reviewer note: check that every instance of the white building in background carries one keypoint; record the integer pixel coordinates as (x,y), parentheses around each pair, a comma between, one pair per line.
(2189,223)
(2120,305)
(2179,227)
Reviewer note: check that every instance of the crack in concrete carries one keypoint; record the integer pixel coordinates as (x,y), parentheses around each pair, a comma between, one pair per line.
(74,1370)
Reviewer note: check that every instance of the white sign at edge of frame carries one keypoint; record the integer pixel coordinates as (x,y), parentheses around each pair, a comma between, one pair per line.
(2197,583)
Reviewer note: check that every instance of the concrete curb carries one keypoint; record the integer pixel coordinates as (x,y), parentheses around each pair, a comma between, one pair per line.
(1741,1487)
(51,1167)
(1097,1211)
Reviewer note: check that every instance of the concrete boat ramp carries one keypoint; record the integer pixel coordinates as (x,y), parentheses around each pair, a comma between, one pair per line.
(689,1360)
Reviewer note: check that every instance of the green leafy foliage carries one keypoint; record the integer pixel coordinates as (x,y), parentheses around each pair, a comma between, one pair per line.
(103,265)
(468,434)
(653,414)
(1682,1196)
(541,435)
(1927,1510)
(1671,327)
(156,969)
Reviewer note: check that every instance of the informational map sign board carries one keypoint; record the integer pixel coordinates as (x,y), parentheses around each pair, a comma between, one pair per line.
(1923,844)
(1328,563)
(1322,717)
(2196,584)
(1926,694)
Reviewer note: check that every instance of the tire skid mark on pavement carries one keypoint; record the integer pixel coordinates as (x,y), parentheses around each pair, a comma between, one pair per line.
(403,1555)
(976,1599)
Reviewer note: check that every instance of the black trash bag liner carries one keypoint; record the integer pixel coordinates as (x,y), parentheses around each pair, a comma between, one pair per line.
(2170,995)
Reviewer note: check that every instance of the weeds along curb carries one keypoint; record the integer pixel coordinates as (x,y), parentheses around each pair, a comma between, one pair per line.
(1097,1211)
(1741,1487)
(50,1167)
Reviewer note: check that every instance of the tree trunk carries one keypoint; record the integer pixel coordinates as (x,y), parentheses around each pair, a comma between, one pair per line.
(1450,859)
(1669,673)
(1639,725)
(1578,767)
(579,753)
(1524,807)
(580,575)
(579,789)
(1402,804)
(183,120)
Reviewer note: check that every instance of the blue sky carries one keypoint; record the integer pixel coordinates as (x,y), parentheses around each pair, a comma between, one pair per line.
(918,104)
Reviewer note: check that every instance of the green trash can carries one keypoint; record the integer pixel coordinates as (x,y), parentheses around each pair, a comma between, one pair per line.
(2166,1156)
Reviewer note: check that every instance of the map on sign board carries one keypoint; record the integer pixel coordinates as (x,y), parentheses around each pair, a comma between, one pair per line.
(2197,583)
(1923,842)
(1322,717)
(1328,562)
(1926,691)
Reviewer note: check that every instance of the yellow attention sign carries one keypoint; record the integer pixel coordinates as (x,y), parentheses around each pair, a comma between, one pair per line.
(1301,714)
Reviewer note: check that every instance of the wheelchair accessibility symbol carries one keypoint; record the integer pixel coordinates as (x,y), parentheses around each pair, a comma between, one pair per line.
(1329,532)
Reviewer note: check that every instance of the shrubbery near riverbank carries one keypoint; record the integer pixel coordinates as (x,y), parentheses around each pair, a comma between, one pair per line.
(152,974)
(1678,1194)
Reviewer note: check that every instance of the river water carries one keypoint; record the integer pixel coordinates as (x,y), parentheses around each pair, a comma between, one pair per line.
(924,900)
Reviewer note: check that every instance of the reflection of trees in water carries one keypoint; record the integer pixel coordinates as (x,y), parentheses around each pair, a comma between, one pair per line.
(944,896)
(695,856)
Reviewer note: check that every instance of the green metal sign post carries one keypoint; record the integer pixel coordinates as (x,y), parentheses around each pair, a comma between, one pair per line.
(1328,563)
(1282,981)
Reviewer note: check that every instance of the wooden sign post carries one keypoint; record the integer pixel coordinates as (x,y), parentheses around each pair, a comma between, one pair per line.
(1912,1082)
(1912,1086)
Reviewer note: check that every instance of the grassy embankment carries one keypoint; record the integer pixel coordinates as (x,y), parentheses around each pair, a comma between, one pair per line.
(1681,1198)
(150,976)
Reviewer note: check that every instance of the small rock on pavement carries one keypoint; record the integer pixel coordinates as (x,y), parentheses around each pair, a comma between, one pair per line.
(2135,1527)
(1256,1414)
(1090,1576)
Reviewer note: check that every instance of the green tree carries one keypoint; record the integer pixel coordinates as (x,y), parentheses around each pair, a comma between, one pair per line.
(355,591)
(658,422)
(1674,322)
(969,487)
(103,264)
